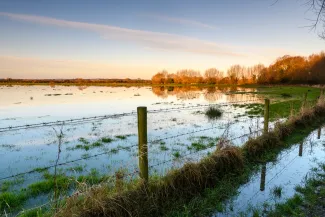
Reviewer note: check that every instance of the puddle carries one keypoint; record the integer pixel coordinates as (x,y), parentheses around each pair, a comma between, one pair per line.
(276,181)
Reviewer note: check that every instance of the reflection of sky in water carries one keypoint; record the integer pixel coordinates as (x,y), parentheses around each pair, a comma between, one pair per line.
(28,149)
(288,171)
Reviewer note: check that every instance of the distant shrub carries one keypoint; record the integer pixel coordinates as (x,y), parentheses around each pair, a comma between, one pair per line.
(213,113)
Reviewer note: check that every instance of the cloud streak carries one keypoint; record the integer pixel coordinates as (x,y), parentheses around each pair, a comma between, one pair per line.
(180,21)
(155,40)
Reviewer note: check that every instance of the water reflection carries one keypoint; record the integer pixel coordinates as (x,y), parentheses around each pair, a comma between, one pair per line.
(211,94)
(263,176)
(300,148)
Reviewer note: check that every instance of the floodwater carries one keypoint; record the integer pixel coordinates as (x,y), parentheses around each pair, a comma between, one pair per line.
(108,144)
(291,168)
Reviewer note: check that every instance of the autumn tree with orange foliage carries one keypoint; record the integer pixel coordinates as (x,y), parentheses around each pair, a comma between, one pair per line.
(285,70)
(295,70)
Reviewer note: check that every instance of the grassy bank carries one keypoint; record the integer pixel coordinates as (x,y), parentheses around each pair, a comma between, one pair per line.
(285,100)
(228,166)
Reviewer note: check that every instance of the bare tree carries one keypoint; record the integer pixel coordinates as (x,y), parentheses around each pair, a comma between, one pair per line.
(318,8)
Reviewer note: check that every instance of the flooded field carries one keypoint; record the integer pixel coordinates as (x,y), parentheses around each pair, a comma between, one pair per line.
(80,136)
(98,145)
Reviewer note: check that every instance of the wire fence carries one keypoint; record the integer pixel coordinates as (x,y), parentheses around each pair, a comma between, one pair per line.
(111,116)
(151,142)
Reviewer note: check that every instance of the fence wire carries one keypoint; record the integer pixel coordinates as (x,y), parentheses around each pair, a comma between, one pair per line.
(103,117)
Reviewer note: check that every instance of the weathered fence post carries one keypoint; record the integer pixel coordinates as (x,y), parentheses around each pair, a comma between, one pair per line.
(263,176)
(301,148)
(266,115)
(143,146)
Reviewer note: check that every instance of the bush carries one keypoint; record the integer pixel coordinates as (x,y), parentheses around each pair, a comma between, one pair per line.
(213,113)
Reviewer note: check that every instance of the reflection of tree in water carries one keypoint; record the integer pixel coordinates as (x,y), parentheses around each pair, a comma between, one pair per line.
(211,94)
(160,92)
(82,87)
(190,92)
(242,95)
(188,95)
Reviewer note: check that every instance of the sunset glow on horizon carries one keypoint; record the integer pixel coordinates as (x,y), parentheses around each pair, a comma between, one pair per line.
(124,39)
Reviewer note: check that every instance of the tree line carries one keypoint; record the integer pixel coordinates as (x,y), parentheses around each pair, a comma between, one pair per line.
(285,70)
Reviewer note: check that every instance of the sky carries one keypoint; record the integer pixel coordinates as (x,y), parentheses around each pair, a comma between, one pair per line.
(136,39)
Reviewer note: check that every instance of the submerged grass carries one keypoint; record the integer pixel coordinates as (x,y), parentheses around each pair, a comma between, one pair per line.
(213,113)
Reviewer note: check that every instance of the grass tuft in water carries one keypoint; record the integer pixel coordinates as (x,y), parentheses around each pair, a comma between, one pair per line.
(277,191)
(213,113)
(107,140)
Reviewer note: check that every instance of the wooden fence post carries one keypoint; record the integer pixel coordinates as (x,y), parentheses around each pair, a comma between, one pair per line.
(319,132)
(142,141)
(266,115)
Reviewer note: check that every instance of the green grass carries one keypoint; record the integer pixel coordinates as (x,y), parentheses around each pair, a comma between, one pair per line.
(6,185)
(197,146)
(87,146)
(11,201)
(39,212)
(283,100)
(163,147)
(122,137)
(78,169)
(177,154)
(281,106)
(42,187)
(83,140)
(107,140)
(277,191)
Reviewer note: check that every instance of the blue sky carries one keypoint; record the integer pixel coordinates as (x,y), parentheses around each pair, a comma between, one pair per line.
(122,38)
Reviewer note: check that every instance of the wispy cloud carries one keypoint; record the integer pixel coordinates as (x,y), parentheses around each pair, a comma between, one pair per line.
(179,21)
(155,40)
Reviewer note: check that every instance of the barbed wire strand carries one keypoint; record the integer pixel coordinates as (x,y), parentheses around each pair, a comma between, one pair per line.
(103,117)
(68,162)
(110,151)
(191,153)
(192,132)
